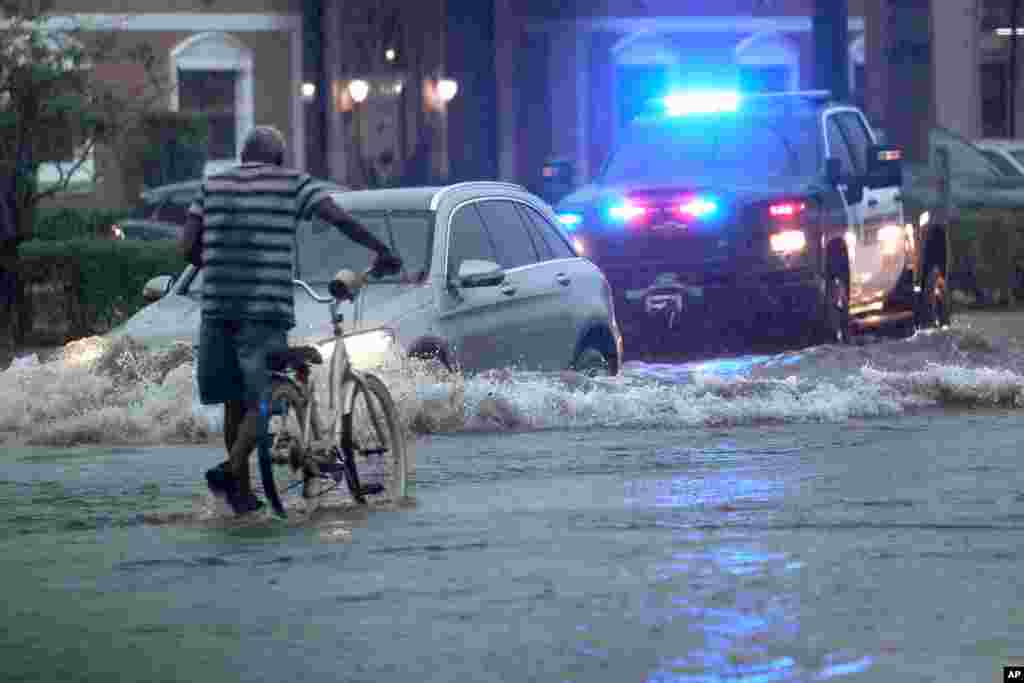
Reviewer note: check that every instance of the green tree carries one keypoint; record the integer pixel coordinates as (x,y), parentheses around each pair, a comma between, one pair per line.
(52,96)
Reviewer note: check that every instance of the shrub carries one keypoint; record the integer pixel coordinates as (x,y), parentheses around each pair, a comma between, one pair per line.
(991,240)
(70,224)
(106,276)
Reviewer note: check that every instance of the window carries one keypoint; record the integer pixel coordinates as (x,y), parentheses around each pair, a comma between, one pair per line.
(469,241)
(837,146)
(730,148)
(768,61)
(995,97)
(764,78)
(508,232)
(212,73)
(322,249)
(858,138)
(556,245)
(212,93)
(544,251)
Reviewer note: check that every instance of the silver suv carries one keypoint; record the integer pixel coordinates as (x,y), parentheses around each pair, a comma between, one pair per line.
(490,281)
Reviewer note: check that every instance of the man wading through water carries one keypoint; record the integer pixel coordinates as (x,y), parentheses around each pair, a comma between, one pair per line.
(240,230)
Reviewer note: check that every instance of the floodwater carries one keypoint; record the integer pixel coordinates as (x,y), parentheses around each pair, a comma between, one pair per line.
(850,514)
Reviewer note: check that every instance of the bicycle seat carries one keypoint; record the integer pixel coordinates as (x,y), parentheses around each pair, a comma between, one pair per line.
(293,358)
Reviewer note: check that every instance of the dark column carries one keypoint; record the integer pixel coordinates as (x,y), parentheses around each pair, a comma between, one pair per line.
(472,115)
(831,47)
(313,72)
(910,98)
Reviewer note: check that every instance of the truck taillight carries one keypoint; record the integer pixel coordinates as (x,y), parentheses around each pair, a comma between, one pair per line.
(786,210)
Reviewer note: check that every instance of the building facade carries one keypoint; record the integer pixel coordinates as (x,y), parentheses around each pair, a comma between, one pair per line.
(536,79)
(570,79)
(240,62)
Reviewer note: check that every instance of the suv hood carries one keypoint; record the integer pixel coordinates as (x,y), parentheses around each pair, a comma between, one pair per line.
(595,194)
(379,305)
(176,317)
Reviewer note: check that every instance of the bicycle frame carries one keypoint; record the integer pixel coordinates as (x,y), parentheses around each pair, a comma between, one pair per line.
(342,379)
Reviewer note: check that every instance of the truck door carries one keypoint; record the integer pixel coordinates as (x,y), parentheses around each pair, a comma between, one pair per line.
(862,259)
(884,235)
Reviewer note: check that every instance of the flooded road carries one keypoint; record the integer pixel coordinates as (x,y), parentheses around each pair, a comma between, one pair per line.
(834,514)
(874,551)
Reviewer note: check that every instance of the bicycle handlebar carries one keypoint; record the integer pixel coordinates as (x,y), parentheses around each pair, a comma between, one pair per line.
(363,277)
(309,290)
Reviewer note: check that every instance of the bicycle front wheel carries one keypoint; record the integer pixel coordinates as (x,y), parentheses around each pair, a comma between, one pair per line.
(284,467)
(373,445)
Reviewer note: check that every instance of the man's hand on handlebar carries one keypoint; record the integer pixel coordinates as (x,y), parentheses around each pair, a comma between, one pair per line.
(387,263)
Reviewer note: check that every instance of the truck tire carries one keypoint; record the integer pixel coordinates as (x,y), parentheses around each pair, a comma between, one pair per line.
(934,307)
(835,321)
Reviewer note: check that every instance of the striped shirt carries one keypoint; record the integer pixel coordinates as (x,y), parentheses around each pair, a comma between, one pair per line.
(249,216)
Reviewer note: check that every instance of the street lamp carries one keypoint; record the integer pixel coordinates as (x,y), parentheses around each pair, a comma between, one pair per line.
(447,89)
(358,89)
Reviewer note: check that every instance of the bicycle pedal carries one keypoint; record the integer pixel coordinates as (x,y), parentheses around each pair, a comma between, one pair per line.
(374,451)
(372,489)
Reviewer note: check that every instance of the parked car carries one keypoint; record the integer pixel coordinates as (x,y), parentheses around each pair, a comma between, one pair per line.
(1006,155)
(764,213)
(490,281)
(161,214)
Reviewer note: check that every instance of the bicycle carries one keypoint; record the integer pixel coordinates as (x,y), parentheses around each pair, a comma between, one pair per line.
(364,444)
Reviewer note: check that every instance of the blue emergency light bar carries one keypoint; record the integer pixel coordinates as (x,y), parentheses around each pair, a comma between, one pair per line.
(701,102)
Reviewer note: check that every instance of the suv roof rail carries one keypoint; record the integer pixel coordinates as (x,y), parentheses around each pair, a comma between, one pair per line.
(436,199)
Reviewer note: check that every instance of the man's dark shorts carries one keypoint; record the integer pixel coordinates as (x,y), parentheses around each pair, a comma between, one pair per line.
(232,363)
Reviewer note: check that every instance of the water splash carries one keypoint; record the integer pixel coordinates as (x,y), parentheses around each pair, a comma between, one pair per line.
(106,390)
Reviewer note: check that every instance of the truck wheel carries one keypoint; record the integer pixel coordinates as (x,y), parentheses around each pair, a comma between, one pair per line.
(934,305)
(835,323)
(592,362)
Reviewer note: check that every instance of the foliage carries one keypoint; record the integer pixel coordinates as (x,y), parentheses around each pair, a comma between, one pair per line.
(110,274)
(50,92)
(992,241)
(68,224)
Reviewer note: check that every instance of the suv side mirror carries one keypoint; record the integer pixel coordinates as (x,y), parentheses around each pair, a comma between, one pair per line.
(885,166)
(157,287)
(479,273)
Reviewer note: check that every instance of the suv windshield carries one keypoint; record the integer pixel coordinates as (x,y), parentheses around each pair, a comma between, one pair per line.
(323,250)
(737,147)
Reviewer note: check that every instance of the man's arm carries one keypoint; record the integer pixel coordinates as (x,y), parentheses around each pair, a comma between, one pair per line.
(330,212)
(190,243)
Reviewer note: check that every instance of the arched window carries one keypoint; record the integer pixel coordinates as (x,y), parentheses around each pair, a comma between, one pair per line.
(211,73)
(646,67)
(768,62)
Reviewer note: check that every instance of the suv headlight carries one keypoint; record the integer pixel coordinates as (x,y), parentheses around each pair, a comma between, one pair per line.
(369,343)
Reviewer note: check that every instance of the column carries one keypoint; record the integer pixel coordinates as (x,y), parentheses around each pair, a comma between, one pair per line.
(336,145)
(955,29)
(508,42)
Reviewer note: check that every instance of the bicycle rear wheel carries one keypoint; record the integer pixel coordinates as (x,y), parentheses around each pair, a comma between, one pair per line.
(285,474)
(373,445)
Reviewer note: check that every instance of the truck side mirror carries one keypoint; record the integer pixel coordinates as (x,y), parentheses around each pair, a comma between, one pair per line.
(885,166)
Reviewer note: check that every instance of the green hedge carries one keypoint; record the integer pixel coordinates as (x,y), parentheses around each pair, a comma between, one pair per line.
(70,224)
(110,274)
(993,241)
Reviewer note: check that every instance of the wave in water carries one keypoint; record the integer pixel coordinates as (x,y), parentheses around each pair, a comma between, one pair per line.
(101,390)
